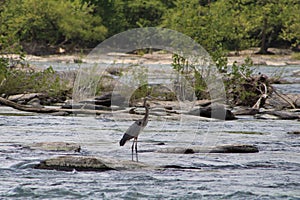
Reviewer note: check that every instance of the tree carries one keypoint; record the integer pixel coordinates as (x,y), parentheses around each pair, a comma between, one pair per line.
(121,15)
(143,13)
(266,22)
(51,22)
(291,22)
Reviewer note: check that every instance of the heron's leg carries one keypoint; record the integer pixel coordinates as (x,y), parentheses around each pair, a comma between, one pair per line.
(132,150)
(136,152)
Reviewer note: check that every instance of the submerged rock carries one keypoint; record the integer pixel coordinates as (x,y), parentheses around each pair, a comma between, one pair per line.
(56,146)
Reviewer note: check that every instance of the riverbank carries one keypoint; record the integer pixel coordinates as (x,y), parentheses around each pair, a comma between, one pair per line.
(280,57)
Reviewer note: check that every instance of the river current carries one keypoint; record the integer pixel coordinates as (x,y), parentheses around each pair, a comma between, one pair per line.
(273,173)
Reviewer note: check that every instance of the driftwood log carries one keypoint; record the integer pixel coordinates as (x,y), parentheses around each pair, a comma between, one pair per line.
(27,108)
(213,149)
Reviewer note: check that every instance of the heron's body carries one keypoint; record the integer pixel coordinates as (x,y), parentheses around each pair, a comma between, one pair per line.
(135,129)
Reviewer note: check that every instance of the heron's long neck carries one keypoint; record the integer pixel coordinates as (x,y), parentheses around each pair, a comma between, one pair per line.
(145,119)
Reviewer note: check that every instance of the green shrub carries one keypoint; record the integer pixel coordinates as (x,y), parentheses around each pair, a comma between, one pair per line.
(192,76)
(26,80)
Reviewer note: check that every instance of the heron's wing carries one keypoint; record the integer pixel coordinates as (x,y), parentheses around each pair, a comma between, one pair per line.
(135,129)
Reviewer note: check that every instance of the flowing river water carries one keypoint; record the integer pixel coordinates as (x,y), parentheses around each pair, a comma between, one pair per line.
(273,173)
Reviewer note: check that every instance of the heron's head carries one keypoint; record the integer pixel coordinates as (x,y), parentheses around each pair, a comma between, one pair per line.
(145,99)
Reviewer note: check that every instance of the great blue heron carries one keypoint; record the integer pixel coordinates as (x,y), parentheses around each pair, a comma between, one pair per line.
(135,129)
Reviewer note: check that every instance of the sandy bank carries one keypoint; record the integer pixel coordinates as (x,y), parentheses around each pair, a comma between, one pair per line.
(279,58)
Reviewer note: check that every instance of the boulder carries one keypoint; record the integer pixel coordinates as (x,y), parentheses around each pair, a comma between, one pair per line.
(108,98)
(240,148)
(216,111)
(35,102)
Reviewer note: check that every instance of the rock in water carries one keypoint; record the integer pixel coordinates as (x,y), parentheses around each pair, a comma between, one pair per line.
(88,163)
(69,163)
(216,111)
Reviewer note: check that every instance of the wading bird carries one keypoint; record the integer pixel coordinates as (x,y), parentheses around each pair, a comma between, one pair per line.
(135,129)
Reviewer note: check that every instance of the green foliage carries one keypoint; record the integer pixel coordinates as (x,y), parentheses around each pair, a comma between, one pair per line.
(296,56)
(238,84)
(236,25)
(192,75)
(50,22)
(143,13)
(291,22)
(139,77)
(26,80)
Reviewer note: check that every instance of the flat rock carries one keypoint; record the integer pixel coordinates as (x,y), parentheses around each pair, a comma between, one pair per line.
(55,146)
(88,163)
(241,148)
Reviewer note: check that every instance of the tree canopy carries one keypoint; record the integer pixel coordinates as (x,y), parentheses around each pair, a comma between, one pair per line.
(233,25)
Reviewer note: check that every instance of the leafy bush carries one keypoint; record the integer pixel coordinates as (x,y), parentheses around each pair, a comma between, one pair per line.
(241,86)
(26,80)
(191,75)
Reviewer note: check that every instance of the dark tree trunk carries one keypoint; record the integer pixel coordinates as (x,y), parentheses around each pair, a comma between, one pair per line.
(264,45)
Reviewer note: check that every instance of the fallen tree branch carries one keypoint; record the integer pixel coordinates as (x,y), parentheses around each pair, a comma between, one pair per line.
(263,96)
(285,99)
(50,110)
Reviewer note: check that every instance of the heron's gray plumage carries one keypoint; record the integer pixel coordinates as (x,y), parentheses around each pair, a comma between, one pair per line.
(136,128)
